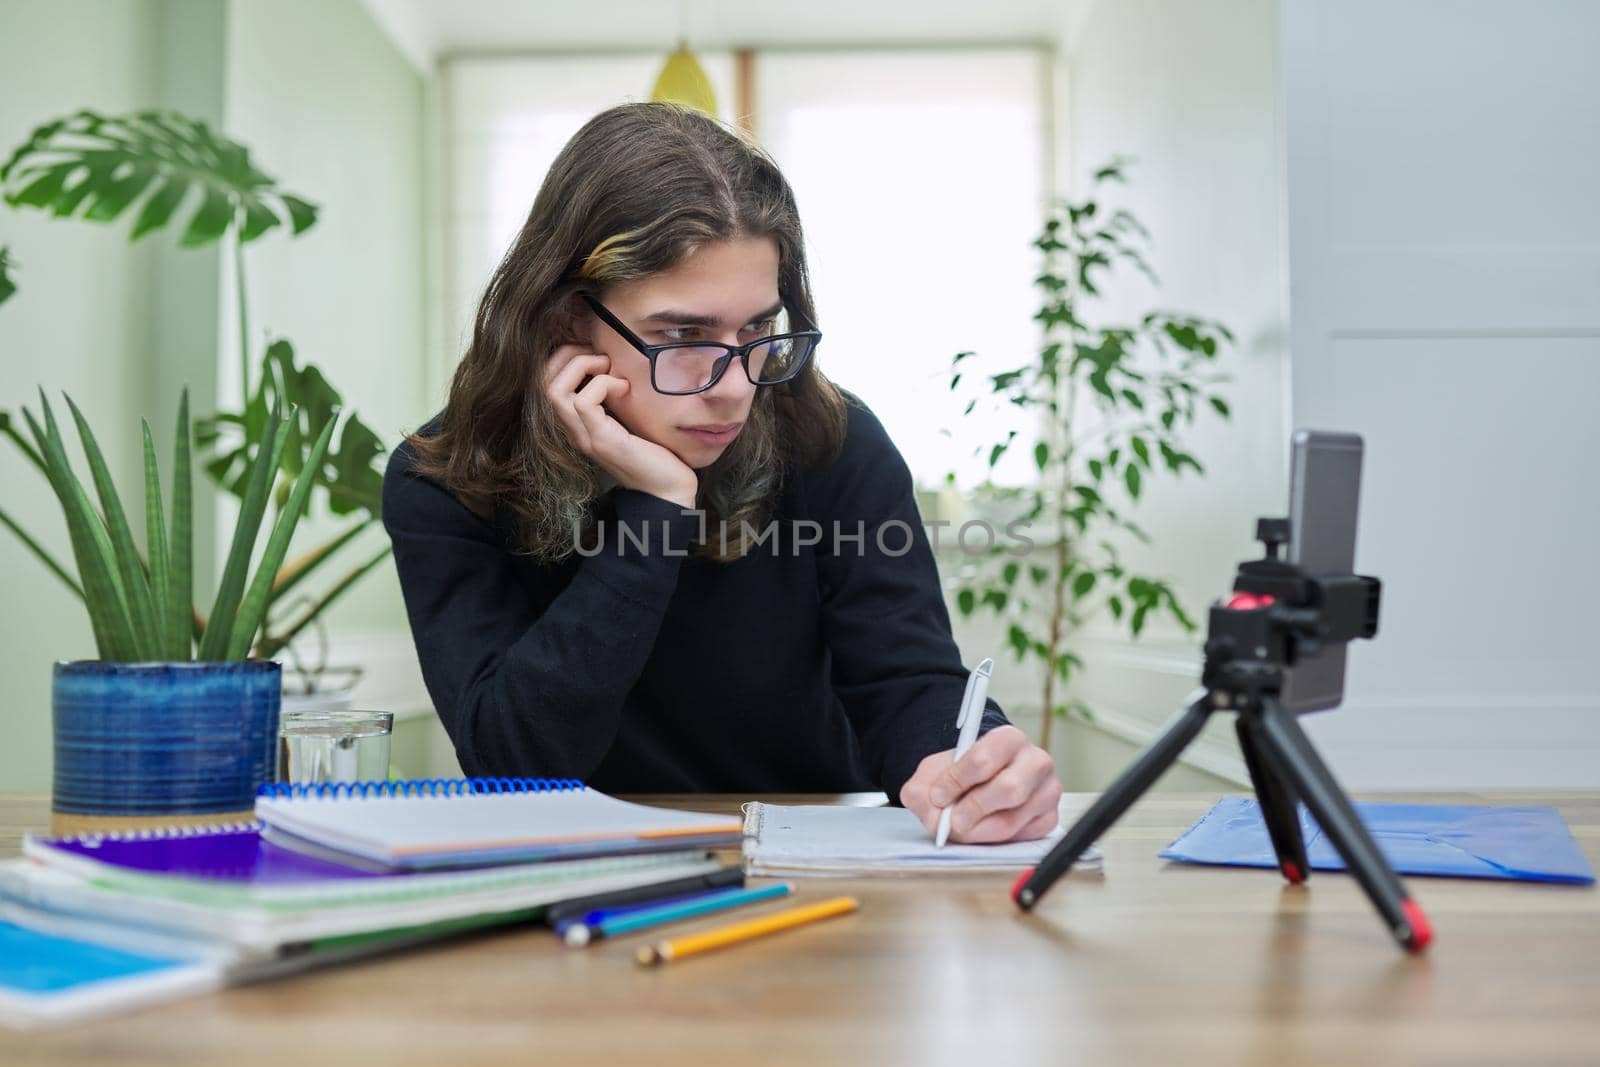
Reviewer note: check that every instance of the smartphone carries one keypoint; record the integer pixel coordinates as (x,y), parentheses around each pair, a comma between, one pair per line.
(1324,495)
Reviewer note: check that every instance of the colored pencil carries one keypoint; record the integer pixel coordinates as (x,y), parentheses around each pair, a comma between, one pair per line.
(736,933)
(628,920)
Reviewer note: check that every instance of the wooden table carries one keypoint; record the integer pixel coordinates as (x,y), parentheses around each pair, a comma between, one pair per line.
(1153,963)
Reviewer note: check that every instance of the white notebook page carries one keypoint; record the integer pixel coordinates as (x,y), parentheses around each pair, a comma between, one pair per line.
(831,839)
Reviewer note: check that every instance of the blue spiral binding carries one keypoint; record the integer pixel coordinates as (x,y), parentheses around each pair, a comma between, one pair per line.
(417,787)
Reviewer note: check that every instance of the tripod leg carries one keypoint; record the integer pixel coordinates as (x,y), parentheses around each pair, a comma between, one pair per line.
(1286,744)
(1279,805)
(1118,797)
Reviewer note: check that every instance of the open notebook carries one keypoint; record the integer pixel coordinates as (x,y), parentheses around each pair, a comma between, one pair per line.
(833,840)
(479,821)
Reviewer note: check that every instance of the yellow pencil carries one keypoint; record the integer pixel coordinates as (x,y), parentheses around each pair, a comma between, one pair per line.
(734,933)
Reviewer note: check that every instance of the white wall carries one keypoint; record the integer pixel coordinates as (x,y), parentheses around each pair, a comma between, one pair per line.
(1190,92)
(334,111)
(1445,303)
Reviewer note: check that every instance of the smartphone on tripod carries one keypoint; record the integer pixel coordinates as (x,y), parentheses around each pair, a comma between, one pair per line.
(1324,497)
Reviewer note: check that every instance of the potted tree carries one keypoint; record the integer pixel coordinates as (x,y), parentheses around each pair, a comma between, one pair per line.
(175,721)
(1115,402)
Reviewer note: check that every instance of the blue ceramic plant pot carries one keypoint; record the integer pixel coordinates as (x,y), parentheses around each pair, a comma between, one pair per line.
(136,739)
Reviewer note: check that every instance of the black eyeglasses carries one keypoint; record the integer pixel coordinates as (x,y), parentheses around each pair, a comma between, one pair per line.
(682,368)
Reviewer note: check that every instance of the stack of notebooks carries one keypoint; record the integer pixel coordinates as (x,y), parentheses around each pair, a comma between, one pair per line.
(92,925)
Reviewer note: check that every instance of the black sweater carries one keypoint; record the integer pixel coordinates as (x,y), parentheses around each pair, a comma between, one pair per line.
(824,667)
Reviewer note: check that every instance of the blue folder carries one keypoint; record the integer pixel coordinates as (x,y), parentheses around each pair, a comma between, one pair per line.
(1457,841)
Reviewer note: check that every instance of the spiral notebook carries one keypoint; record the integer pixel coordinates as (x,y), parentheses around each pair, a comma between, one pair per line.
(439,823)
(237,867)
(838,840)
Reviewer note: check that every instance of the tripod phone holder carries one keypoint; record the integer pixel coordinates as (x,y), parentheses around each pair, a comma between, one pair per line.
(1277,616)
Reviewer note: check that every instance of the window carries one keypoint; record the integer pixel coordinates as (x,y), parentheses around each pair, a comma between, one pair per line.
(920,178)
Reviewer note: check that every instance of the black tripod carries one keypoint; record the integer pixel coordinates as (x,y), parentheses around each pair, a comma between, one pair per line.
(1277,616)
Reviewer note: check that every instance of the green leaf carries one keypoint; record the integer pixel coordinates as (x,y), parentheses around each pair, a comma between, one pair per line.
(966,601)
(43,190)
(1009,572)
(1115,604)
(120,192)
(158,210)
(180,590)
(1018,639)
(7,284)
(258,219)
(1083,584)
(91,548)
(130,567)
(1041,455)
(995,453)
(1112,171)
(219,624)
(302,215)
(1037,574)
(1221,406)
(1140,449)
(1096,469)
(1134,400)
(109,161)
(93,178)
(155,537)
(211,221)
(1088,493)
(254,606)
(1130,476)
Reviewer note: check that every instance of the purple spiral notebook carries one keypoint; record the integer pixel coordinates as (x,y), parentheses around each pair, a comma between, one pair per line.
(237,855)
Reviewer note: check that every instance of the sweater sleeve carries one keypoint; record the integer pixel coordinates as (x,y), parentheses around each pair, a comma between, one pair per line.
(524,688)
(896,668)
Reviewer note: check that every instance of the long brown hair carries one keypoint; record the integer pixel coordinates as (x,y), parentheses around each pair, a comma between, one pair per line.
(637,189)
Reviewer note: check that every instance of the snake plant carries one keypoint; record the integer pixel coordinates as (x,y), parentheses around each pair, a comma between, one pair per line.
(141,606)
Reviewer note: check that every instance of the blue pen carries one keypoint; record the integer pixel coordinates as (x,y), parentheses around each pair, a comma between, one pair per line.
(596,916)
(641,918)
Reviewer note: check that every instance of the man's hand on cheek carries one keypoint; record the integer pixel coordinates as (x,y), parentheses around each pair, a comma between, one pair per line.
(1004,789)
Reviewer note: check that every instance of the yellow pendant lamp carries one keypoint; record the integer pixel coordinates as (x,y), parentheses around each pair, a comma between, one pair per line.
(683,81)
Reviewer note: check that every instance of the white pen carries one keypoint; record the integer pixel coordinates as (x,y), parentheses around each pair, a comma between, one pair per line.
(968,719)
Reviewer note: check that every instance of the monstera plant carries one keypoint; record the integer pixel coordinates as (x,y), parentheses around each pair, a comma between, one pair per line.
(172,173)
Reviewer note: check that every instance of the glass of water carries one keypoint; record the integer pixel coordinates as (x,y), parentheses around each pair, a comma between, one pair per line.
(334,746)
